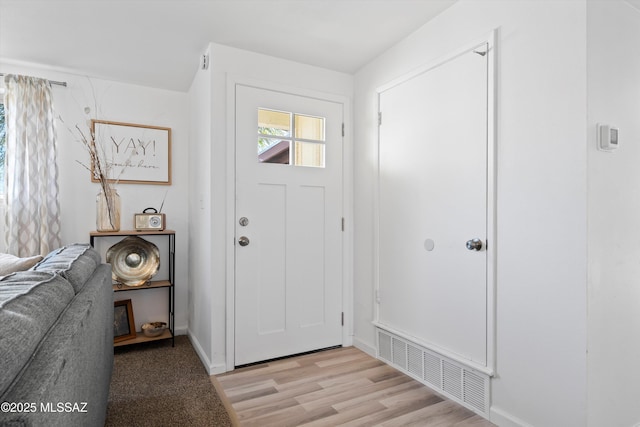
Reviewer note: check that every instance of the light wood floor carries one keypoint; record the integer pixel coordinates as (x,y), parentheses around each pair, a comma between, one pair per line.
(338,387)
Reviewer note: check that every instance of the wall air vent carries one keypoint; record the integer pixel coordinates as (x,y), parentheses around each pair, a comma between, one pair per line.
(448,377)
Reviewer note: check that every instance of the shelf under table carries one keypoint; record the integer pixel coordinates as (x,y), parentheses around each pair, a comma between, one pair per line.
(140,338)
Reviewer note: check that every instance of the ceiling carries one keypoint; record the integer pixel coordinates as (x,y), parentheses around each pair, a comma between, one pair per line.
(634,3)
(159,43)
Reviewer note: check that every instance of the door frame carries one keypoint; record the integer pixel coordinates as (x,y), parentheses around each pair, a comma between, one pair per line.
(491,250)
(347,203)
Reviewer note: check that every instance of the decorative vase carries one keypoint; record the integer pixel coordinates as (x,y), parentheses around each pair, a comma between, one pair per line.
(108,210)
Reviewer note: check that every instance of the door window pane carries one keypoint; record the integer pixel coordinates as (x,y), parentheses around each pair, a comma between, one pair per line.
(308,127)
(274,151)
(275,142)
(309,154)
(272,122)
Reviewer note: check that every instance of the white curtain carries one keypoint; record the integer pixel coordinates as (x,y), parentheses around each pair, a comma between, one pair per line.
(32,215)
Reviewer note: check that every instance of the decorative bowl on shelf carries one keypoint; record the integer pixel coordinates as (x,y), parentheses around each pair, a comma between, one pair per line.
(153,329)
(133,261)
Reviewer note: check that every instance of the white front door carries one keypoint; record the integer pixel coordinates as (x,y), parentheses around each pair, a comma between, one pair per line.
(433,204)
(288,250)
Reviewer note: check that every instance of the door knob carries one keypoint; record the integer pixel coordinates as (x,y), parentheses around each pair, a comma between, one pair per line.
(243,241)
(474,244)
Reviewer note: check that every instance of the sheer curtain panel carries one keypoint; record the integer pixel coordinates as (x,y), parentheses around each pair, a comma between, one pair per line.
(32,215)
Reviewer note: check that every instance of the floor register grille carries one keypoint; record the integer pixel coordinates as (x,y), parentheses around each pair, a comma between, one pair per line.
(450,378)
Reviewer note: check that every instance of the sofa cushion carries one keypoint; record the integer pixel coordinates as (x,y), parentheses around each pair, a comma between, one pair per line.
(76,263)
(11,263)
(30,303)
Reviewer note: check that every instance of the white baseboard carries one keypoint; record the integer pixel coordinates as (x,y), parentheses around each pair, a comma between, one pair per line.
(210,367)
(366,347)
(503,419)
(217,369)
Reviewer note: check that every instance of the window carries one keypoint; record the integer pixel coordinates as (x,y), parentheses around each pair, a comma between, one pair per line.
(290,138)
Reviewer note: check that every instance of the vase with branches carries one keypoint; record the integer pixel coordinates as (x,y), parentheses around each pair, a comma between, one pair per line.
(108,199)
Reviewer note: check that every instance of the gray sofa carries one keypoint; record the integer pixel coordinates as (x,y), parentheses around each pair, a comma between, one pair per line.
(56,341)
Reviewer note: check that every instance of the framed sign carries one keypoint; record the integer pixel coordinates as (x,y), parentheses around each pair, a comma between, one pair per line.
(134,154)
(124,327)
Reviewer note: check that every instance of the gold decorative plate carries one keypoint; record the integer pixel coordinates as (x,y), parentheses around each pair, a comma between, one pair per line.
(133,261)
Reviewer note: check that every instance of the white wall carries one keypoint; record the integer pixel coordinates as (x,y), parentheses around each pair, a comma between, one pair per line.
(541,208)
(614,207)
(120,102)
(200,224)
(213,147)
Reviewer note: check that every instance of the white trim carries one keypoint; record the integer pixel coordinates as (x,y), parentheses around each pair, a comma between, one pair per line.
(230,305)
(366,347)
(492,139)
(492,193)
(349,224)
(347,204)
(211,368)
(181,330)
(436,63)
(503,419)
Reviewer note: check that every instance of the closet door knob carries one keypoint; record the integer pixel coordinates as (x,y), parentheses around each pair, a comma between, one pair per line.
(474,244)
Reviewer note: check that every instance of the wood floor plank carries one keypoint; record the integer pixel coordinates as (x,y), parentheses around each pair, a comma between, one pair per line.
(253,374)
(314,373)
(272,399)
(329,396)
(374,374)
(378,418)
(339,360)
(248,415)
(409,397)
(353,413)
(441,414)
(253,394)
(385,389)
(290,417)
(475,421)
(247,388)
(336,387)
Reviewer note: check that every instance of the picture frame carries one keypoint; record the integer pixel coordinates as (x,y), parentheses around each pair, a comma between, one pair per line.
(134,153)
(124,326)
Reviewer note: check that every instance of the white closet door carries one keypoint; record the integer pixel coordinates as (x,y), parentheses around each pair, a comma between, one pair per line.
(432,204)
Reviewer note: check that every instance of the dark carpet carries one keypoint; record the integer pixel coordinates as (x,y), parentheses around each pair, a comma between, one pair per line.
(154,384)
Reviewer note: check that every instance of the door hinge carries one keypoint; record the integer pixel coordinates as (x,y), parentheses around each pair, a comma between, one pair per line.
(343,129)
(342,223)
(379,118)
(342,319)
